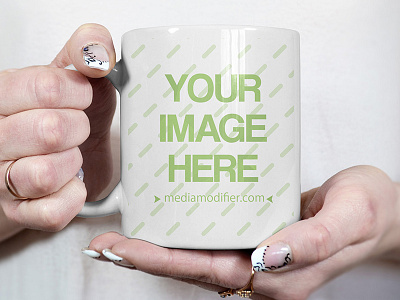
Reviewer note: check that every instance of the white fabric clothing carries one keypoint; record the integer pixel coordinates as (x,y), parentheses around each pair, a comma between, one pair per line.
(350,67)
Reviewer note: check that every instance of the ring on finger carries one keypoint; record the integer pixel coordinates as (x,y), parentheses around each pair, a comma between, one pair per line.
(244,292)
(10,186)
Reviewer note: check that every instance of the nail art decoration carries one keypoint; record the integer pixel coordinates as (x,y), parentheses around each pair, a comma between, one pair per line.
(111,256)
(96,57)
(116,259)
(90,253)
(270,258)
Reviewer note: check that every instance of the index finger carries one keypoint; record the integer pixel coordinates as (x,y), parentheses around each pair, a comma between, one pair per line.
(43,87)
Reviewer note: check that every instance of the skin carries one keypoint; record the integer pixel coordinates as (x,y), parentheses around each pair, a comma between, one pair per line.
(62,120)
(53,122)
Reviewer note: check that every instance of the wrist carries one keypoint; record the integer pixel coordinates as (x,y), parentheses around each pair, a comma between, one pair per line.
(391,239)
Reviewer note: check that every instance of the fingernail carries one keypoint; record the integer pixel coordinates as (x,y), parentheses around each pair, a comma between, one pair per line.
(80,174)
(270,258)
(117,259)
(96,56)
(91,253)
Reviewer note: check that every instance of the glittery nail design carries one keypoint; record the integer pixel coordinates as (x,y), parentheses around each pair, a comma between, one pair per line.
(90,253)
(96,57)
(80,174)
(270,258)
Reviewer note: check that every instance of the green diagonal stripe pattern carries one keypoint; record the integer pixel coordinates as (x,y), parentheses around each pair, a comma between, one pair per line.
(287,150)
(243,229)
(169,91)
(283,189)
(208,229)
(244,51)
(252,149)
(134,90)
(226,69)
(192,209)
(191,69)
(154,71)
(276,90)
(263,209)
(150,110)
(279,228)
(130,166)
(177,189)
(271,130)
(289,112)
(216,150)
(212,189)
(220,110)
(203,92)
(173,228)
(145,150)
(209,51)
(157,209)
(180,150)
(141,189)
(186,109)
(137,52)
(261,69)
(257,109)
(137,229)
(132,128)
(279,51)
(267,169)
(160,170)
(291,74)
(173,51)
(248,189)
(228,209)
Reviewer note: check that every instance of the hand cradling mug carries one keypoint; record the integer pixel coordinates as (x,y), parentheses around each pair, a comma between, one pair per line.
(210,136)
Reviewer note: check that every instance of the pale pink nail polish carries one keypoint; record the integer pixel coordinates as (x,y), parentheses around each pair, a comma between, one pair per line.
(270,258)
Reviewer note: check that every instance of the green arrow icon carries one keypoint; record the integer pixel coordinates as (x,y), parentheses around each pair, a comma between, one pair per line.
(156,199)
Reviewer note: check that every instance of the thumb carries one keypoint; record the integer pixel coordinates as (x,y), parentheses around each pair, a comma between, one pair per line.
(90,49)
(340,218)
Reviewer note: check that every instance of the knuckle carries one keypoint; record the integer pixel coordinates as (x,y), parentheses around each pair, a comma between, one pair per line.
(320,237)
(52,220)
(50,130)
(47,88)
(43,177)
(369,212)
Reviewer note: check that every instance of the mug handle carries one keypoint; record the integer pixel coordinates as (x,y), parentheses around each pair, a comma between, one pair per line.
(111,204)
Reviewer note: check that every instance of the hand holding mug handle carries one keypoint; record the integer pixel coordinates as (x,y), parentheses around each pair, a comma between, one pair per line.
(110,204)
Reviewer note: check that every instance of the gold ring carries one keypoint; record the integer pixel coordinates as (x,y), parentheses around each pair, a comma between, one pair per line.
(244,292)
(9,184)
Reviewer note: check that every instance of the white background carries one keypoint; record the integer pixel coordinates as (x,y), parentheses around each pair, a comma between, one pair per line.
(350,62)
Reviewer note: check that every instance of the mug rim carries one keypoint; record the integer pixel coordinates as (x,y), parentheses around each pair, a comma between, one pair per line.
(174,28)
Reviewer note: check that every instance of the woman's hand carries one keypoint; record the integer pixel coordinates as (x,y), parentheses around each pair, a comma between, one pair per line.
(351,218)
(52,121)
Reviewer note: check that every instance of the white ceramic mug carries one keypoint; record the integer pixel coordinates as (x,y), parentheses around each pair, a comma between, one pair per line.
(210,136)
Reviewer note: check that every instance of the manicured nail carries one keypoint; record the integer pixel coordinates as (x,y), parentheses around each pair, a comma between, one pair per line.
(116,259)
(270,258)
(91,253)
(96,57)
(80,174)
(111,256)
